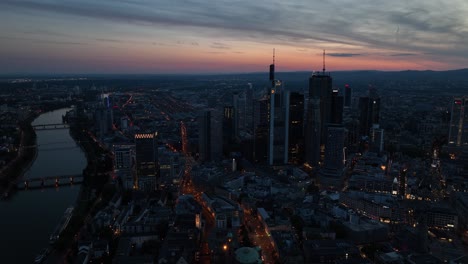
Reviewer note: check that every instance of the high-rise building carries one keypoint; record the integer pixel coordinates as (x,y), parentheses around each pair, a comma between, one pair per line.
(249,108)
(336,111)
(210,135)
(332,171)
(296,127)
(147,166)
(313,128)
(334,149)
(369,110)
(124,156)
(320,87)
(237,113)
(318,116)
(458,131)
(279,124)
(347,98)
(204,135)
(228,128)
(261,127)
(102,121)
(376,138)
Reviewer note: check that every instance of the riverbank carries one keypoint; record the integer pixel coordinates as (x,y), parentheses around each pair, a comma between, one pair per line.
(27,153)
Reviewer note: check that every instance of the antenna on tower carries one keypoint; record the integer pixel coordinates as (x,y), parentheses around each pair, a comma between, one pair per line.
(323,61)
(273,55)
(272,69)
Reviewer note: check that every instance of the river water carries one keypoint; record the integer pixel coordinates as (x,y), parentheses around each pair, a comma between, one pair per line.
(29,217)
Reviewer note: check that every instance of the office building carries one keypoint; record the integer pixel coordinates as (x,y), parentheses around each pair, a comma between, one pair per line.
(458,131)
(124,156)
(228,128)
(347,97)
(296,127)
(336,111)
(209,135)
(147,166)
(334,148)
(376,139)
(313,128)
(261,128)
(278,125)
(369,112)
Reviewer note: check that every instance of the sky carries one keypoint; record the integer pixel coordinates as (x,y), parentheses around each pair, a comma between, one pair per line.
(222,36)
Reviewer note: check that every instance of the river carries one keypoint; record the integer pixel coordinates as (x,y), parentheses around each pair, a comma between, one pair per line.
(29,217)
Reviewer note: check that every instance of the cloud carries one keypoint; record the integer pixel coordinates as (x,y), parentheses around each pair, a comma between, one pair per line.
(343,54)
(397,27)
(219,45)
(403,54)
(37,41)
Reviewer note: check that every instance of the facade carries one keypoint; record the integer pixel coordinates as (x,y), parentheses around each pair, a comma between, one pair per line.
(261,127)
(347,98)
(336,111)
(210,135)
(313,128)
(334,148)
(229,135)
(320,87)
(458,132)
(124,156)
(369,112)
(147,166)
(296,127)
(278,125)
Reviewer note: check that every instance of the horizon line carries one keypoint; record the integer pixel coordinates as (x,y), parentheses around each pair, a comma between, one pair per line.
(3,75)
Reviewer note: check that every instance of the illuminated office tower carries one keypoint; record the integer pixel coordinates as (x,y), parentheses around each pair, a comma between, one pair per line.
(458,131)
(278,133)
(319,113)
(279,125)
(147,167)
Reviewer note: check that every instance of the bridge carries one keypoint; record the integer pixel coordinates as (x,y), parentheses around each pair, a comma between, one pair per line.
(51,126)
(50,182)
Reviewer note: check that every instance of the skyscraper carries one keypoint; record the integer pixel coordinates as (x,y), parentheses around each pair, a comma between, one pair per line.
(279,124)
(318,116)
(313,129)
(147,167)
(296,127)
(458,131)
(334,155)
(336,112)
(228,128)
(261,127)
(123,164)
(376,138)
(210,135)
(347,98)
(332,171)
(369,112)
(204,135)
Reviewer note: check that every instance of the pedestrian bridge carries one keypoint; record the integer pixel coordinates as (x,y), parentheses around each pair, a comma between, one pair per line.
(50,182)
(51,126)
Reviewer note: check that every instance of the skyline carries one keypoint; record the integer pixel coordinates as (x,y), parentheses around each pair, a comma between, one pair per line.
(144,37)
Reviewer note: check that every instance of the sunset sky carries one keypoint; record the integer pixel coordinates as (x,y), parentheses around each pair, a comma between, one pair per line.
(202,36)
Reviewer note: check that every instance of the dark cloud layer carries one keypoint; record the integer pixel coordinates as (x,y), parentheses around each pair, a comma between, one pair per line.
(401,28)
